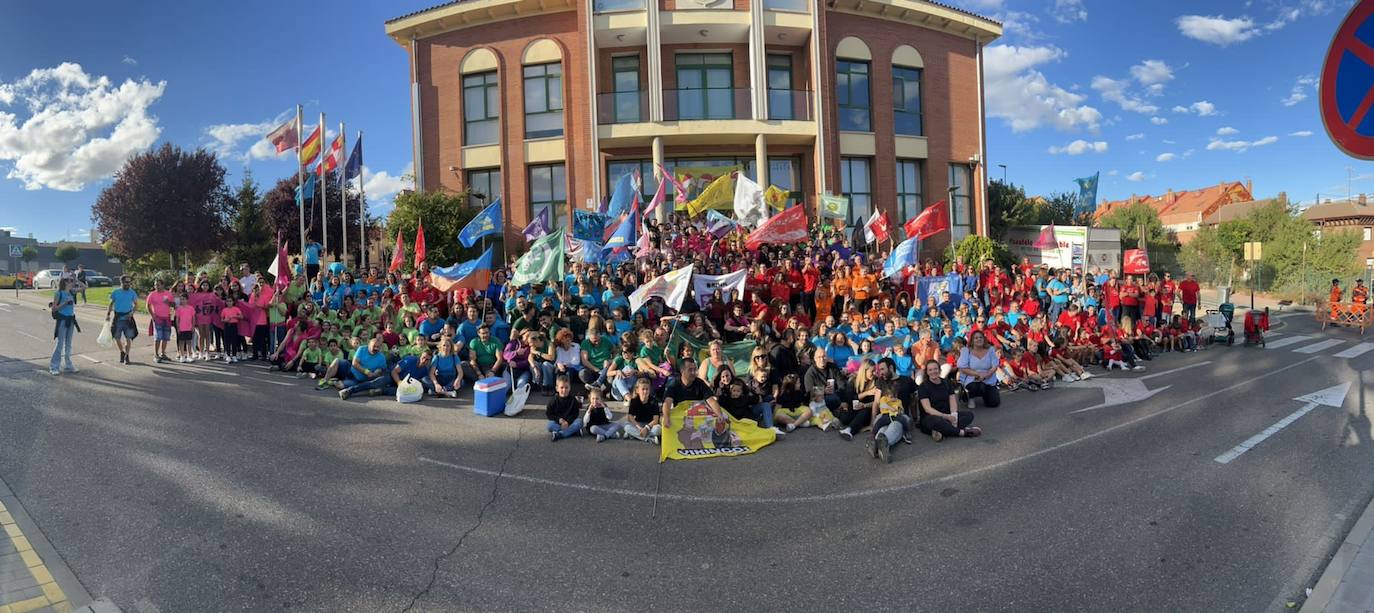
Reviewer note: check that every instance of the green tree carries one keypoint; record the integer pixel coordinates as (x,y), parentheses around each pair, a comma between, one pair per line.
(280,213)
(252,242)
(1130,219)
(67,252)
(167,199)
(444,214)
(1006,206)
(974,249)
(29,254)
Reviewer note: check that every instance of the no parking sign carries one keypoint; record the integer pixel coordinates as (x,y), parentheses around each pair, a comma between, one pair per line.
(1347,84)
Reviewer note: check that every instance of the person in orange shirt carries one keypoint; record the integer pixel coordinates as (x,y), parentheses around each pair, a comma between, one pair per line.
(1335,298)
(1359,297)
(840,290)
(861,284)
(825,301)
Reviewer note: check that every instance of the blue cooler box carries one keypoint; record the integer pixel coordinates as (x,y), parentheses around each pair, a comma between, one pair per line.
(489,396)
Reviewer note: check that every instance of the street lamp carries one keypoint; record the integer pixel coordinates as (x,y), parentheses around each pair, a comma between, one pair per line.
(1004,173)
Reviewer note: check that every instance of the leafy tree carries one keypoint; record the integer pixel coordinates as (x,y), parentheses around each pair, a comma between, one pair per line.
(252,242)
(67,252)
(974,249)
(29,254)
(167,199)
(444,215)
(1009,207)
(280,213)
(1130,218)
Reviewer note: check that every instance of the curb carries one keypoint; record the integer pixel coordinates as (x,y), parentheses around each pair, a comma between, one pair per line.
(1340,563)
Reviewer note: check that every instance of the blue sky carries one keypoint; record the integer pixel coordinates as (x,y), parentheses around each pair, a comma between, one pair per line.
(1155,95)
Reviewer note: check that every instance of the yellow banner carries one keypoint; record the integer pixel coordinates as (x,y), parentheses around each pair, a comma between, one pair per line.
(719,195)
(695,430)
(776,197)
(695,179)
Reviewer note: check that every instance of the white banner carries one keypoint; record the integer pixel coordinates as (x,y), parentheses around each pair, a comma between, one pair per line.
(731,286)
(749,207)
(671,287)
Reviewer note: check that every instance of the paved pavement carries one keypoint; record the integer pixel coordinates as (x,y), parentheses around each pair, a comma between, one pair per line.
(211,487)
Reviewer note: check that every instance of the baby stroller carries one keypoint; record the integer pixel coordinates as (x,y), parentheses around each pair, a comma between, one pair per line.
(1256,324)
(1219,324)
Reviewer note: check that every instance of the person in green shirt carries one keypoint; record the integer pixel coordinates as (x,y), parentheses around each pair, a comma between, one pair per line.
(407,308)
(296,290)
(597,353)
(416,347)
(309,360)
(624,372)
(651,354)
(484,355)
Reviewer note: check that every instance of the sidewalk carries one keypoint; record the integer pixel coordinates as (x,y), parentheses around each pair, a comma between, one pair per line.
(1347,584)
(32,576)
(1241,298)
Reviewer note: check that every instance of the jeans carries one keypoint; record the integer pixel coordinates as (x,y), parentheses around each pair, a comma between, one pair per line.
(521,376)
(763,413)
(573,428)
(62,346)
(608,430)
(622,386)
(632,430)
(891,428)
(988,392)
(450,381)
(1055,309)
(941,423)
(546,374)
(380,383)
(592,377)
(1189,312)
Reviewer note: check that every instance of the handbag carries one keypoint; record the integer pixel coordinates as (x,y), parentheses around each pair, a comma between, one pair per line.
(409,390)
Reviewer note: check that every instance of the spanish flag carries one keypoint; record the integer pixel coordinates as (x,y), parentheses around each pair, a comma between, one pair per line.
(310,149)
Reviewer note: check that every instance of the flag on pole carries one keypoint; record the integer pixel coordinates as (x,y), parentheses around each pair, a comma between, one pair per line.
(658,198)
(875,229)
(310,149)
(284,136)
(776,197)
(420,251)
(623,195)
(333,157)
(929,222)
(671,287)
(1087,194)
(627,233)
(543,262)
(281,266)
(485,223)
(643,247)
(398,258)
(786,227)
(354,166)
(306,191)
(679,190)
(749,207)
(1135,262)
(717,224)
(905,254)
(539,226)
(473,274)
(834,207)
(719,194)
(1046,240)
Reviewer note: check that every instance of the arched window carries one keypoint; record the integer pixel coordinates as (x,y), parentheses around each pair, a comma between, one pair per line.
(481,98)
(853,99)
(543,73)
(906,91)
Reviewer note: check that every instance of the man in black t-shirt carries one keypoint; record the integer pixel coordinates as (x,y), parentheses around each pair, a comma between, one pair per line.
(686,386)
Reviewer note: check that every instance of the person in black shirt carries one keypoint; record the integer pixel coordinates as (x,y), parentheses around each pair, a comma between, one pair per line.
(564,411)
(686,387)
(839,398)
(939,418)
(642,418)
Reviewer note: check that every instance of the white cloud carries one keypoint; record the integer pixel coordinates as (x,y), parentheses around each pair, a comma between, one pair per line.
(130,61)
(1165,157)
(1136,136)
(1159,121)
(1136,177)
(1299,91)
(1168,142)
(1025,99)
(381,188)
(1114,90)
(227,139)
(80,128)
(1227,131)
(1079,147)
(1239,146)
(1202,108)
(1069,11)
(1217,30)
(1112,173)
(1301,133)
(1152,72)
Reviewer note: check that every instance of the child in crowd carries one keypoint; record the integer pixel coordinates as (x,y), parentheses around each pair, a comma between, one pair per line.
(599,418)
(564,411)
(231,315)
(308,361)
(184,319)
(642,414)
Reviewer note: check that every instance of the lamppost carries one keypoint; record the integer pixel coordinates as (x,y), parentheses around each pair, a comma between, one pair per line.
(1004,173)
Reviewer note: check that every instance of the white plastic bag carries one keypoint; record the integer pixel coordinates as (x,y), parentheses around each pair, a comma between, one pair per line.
(106,338)
(409,390)
(516,403)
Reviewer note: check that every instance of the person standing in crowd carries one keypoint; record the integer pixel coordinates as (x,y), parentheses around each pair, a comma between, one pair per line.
(312,259)
(63,307)
(81,282)
(1188,292)
(123,302)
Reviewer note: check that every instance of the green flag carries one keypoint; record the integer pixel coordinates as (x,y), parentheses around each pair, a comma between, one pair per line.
(834,207)
(737,353)
(543,262)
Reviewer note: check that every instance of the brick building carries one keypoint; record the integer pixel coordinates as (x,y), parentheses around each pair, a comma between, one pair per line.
(544,103)
(1347,216)
(1184,212)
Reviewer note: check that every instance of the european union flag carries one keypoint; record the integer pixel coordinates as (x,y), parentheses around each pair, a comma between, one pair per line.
(485,223)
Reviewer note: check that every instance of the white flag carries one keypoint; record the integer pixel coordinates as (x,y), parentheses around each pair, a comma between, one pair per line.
(731,286)
(749,207)
(671,287)
(868,228)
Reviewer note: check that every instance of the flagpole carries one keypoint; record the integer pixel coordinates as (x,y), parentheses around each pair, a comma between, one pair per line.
(324,197)
(300,182)
(343,189)
(362,201)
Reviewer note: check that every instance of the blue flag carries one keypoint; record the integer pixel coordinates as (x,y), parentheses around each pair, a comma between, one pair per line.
(354,167)
(628,232)
(907,252)
(623,196)
(486,222)
(591,251)
(1087,194)
(306,191)
(718,224)
(473,274)
(589,226)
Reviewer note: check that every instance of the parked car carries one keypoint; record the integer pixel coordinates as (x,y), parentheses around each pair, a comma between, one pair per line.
(19,280)
(47,278)
(95,278)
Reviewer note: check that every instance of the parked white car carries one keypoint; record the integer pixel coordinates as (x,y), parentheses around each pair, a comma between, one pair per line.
(47,278)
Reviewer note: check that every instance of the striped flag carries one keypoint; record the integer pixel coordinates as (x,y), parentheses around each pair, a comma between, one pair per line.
(284,136)
(333,157)
(310,149)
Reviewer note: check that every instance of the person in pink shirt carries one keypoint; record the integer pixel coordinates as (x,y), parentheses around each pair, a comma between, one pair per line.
(160,304)
(261,299)
(244,330)
(231,316)
(203,301)
(184,316)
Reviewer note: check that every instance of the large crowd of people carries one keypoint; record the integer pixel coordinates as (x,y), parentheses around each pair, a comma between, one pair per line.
(832,341)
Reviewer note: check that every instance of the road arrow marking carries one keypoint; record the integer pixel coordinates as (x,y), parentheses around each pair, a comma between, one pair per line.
(1333,396)
(1118,391)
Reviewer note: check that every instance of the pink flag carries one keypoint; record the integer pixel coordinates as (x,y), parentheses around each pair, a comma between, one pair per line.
(681,197)
(1046,240)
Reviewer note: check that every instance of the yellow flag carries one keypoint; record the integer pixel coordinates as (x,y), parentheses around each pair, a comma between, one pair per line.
(720,194)
(776,197)
(696,430)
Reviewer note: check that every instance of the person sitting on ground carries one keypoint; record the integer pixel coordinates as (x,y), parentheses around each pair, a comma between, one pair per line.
(416,367)
(1025,371)
(599,418)
(642,414)
(308,361)
(978,371)
(686,387)
(564,411)
(446,371)
(485,359)
(938,401)
(596,356)
(839,396)
(367,371)
(891,421)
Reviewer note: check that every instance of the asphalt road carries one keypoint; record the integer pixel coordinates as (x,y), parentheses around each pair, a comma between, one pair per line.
(225,488)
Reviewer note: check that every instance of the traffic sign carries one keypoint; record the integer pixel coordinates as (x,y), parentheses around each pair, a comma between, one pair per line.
(16,250)
(1347,84)
(1254,251)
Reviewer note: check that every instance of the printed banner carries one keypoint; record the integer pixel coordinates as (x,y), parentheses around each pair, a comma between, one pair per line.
(737,353)
(1135,262)
(952,283)
(696,430)
(731,286)
(589,226)
(694,179)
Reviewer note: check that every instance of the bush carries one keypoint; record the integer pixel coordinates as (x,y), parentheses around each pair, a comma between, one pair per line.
(974,249)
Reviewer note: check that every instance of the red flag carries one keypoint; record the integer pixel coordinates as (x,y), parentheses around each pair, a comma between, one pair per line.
(1135,262)
(933,220)
(786,227)
(398,258)
(1046,240)
(284,137)
(877,226)
(283,270)
(419,245)
(333,157)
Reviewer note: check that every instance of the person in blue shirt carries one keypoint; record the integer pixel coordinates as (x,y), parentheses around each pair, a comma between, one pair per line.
(63,307)
(367,372)
(947,305)
(467,327)
(414,366)
(312,260)
(431,326)
(1058,290)
(123,328)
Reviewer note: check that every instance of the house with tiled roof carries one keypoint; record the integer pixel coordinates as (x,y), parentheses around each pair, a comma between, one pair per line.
(1355,215)
(1183,212)
(1241,210)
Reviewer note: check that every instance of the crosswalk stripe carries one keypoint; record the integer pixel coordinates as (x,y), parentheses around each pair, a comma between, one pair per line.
(1315,347)
(1284,342)
(1356,351)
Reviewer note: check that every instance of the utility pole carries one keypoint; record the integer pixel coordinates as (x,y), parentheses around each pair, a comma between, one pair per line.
(1302,298)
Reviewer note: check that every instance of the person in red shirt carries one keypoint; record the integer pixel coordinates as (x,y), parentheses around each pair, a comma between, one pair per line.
(1111,299)
(1187,295)
(1130,299)
(811,277)
(1149,308)
(1168,291)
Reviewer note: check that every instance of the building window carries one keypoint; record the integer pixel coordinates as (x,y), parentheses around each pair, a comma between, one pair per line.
(909,202)
(481,109)
(548,184)
(851,94)
(961,200)
(625,77)
(856,184)
(544,100)
(785,173)
(906,101)
(1366,233)
(487,183)
(780,104)
(647,184)
(705,84)
(798,6)
(1369,262)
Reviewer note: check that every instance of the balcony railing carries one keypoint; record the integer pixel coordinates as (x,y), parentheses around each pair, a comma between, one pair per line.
(789,105)
(616,6)
(707,103)
(622,107)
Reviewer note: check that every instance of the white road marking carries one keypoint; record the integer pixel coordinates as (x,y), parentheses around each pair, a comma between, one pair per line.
(23,333)
(860,493)
(5,308)
(1174,370)
(282,383)
(1356,351)
(88,358)
(1284,342)
(1333,396)
(1315,347)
